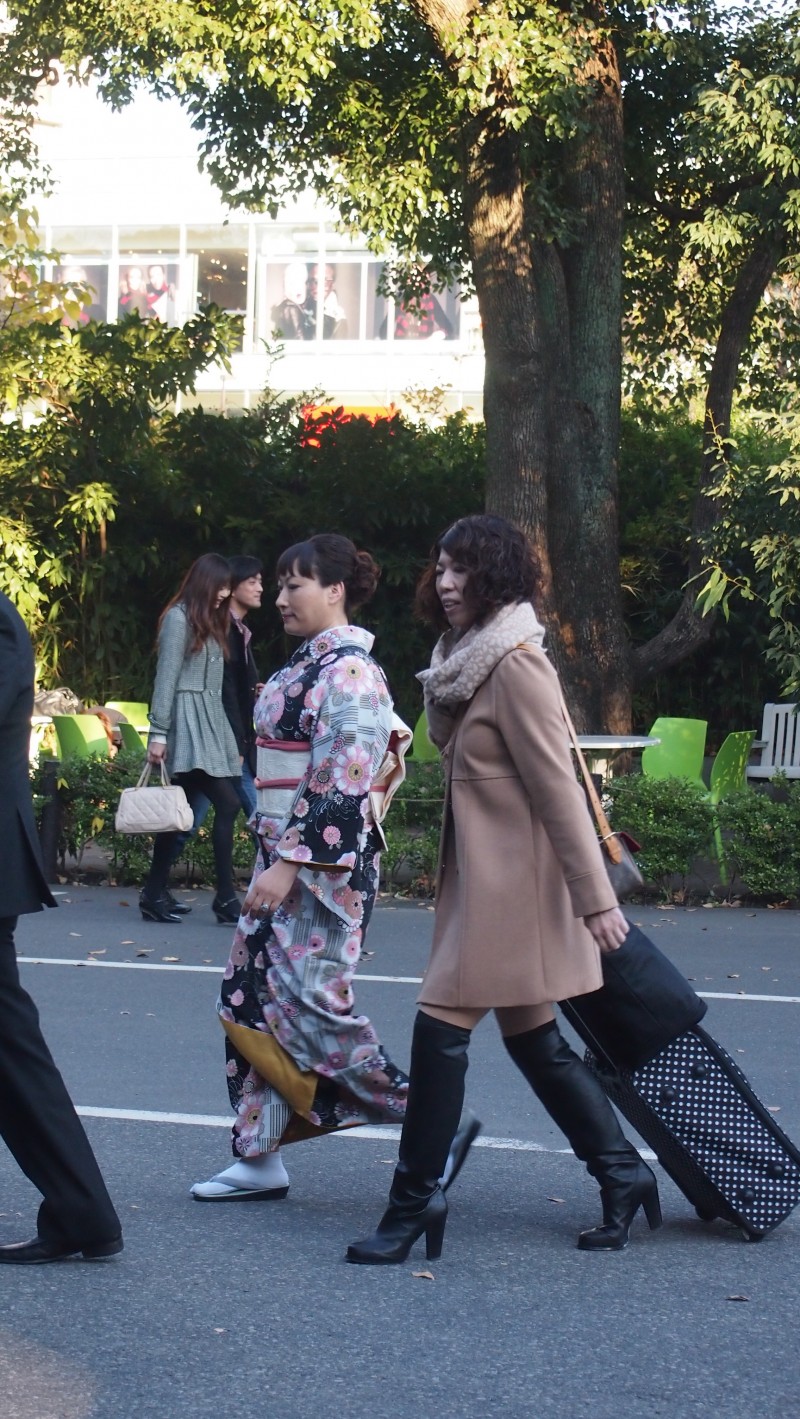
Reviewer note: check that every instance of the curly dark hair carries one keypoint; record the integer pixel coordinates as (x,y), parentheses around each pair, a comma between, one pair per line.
(500,560)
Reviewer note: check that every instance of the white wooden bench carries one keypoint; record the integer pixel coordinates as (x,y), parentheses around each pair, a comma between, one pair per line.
(779,743)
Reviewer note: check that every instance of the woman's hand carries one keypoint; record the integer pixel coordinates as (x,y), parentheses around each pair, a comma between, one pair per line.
(270,887)
(608,928)
(156,752)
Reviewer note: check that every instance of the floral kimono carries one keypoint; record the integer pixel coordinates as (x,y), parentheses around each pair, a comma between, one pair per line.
(300,1062)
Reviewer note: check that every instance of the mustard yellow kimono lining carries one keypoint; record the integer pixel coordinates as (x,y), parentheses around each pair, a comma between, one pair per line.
(297,1086)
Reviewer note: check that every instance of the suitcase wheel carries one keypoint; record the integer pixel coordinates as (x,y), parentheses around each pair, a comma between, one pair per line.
(753,1236)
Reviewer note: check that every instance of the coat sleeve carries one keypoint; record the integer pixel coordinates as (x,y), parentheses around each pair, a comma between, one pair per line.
(173,639)
(528,715)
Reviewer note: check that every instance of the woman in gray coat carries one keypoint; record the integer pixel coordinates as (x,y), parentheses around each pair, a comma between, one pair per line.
(524,907)
(190,731)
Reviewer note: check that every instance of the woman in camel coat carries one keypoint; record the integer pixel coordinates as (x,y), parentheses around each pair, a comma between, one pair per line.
(524,906)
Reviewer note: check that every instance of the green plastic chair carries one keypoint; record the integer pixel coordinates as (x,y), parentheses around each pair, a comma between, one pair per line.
(130,736)
(729,775)
(80,735)
(680,753)
(135,711)
(422,749)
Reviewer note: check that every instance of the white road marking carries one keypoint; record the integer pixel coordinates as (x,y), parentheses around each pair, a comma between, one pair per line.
(368,1132)
(361,976)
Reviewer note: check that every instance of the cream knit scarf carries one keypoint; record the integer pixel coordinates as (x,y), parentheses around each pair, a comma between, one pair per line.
(461,661)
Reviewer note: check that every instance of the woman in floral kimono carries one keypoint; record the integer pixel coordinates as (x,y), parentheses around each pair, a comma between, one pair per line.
(300,1061)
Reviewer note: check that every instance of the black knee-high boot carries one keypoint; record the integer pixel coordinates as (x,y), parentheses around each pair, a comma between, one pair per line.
(417,1202)
(575,1100)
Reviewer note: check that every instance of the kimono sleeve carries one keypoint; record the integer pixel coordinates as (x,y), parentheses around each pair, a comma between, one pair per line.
(348,744)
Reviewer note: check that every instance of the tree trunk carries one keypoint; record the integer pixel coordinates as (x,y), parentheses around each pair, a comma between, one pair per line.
(551,324)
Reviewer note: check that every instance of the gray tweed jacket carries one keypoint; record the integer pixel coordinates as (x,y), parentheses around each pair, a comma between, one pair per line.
(187,709)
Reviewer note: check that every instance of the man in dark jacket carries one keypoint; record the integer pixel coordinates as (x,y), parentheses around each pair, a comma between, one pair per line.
(37,1120)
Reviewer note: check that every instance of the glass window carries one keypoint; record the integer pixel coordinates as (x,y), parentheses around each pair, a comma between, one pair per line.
(161,241)
(296,301)
(377,305)
(148,286)
(337,298)
(286,299)
(435,316)
(96,277)
(220,265)
(276,241)
(86,242)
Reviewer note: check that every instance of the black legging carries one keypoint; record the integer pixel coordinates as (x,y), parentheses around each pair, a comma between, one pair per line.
(222,793)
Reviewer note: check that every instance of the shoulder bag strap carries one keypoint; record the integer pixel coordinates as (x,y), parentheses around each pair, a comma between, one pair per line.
(607,833)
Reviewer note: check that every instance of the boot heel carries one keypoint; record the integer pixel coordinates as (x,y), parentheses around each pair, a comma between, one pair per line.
(434,1237)
(652,1208)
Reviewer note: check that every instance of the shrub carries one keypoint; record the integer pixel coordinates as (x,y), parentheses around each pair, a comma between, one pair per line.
(764,840)
(671,818)
(89,790)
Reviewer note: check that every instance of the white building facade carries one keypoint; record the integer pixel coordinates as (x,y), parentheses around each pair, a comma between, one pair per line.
(131,214)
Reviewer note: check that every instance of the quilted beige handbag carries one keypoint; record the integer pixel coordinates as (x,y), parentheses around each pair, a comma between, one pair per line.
(153,810)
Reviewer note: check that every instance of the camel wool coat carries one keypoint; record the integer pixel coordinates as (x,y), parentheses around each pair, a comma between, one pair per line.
(519,860)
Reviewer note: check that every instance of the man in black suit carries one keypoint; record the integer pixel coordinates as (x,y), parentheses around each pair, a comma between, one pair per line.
(37,1120)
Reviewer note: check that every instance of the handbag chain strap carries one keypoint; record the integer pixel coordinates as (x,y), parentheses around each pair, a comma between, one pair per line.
(607,833)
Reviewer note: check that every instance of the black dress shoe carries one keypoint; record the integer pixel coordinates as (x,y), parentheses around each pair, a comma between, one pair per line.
(176,906)
(37,1250)
(159,909)
(227,912)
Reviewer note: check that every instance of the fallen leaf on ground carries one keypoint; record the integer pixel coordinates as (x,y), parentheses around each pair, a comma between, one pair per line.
(170,958)
(127,943)
(123,904)
(124,1012)
(145,951)
(220,1330)
(424,1275)
(733,975)
(557,1199)
(738,1298)
(76,933)
(773,1108)
(98,951)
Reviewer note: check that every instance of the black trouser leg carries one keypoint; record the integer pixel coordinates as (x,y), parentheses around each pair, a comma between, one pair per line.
(38,1122)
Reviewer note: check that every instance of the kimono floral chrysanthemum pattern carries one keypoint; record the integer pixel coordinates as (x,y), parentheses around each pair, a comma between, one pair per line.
(291,975)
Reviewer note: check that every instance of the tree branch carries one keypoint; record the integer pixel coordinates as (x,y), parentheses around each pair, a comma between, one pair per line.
(688,630)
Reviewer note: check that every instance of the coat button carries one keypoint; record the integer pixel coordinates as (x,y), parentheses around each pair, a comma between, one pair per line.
(668,1095)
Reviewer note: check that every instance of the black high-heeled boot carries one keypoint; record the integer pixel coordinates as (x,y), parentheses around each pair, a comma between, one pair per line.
(417,1202)
(576,1101)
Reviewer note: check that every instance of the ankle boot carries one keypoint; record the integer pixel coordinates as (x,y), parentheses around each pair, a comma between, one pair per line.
(158,908)
(417,1203)
(577,1103)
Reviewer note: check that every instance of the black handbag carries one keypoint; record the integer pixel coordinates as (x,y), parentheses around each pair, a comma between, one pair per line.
(618,847)
(643,1004)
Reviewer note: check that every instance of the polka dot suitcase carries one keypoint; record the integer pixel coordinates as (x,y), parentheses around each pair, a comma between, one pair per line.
(710,1132)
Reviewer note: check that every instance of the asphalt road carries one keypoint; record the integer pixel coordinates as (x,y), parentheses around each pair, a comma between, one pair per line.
(236,1310)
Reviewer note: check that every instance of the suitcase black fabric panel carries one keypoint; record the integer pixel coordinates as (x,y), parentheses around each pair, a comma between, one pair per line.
(710,1132)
